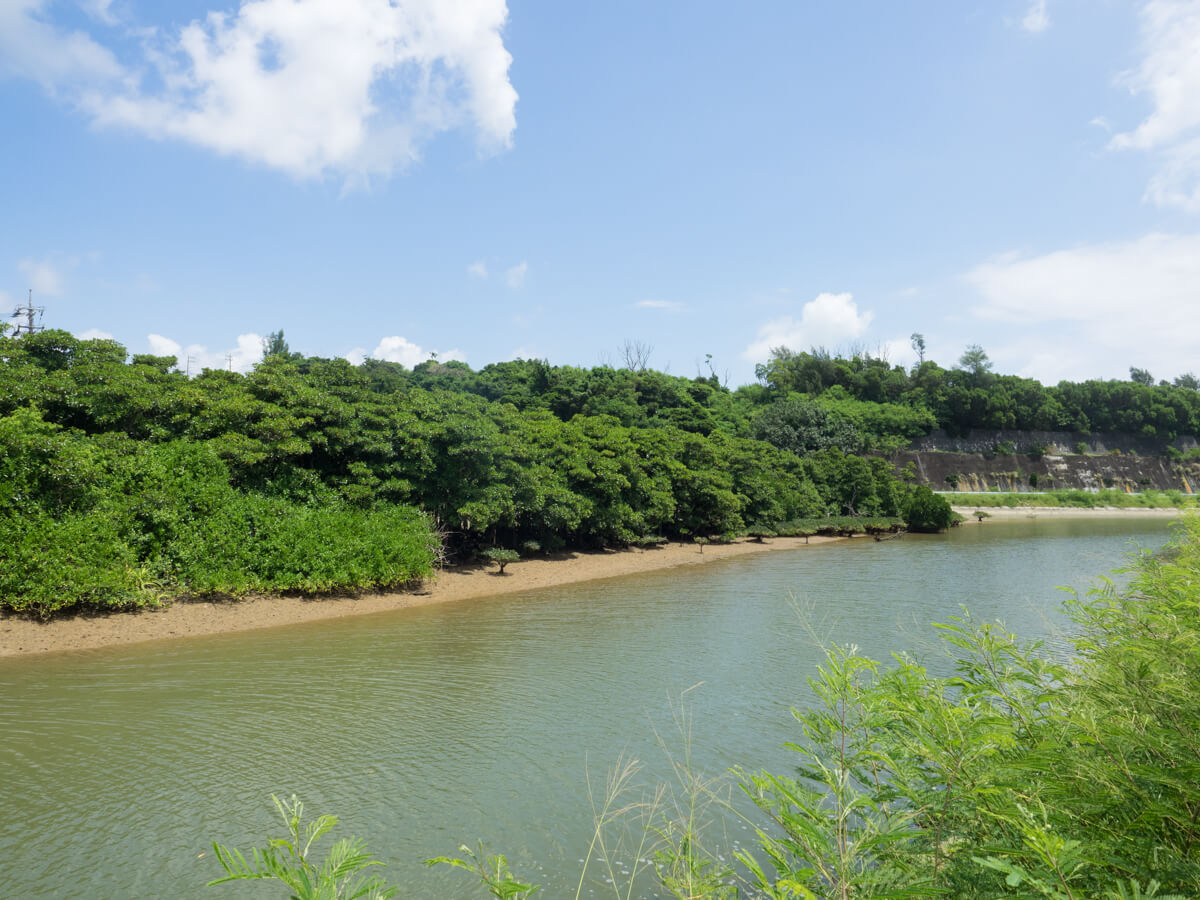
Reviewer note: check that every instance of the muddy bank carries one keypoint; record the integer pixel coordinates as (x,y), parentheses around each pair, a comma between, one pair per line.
(20,636)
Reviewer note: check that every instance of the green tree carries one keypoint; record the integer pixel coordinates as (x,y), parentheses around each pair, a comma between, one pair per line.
(975,360)
(802,427)
(927,511)
(275,345)
(918,344)
(1140,376)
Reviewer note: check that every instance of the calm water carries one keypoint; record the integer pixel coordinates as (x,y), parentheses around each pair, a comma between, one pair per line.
(426,728)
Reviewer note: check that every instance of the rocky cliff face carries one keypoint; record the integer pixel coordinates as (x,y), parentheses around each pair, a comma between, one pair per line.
(944,471)
(1064,442)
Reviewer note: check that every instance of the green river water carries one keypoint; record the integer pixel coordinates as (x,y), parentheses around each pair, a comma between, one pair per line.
(429,727)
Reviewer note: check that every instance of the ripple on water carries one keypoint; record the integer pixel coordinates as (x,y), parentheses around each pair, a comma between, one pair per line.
(481,719)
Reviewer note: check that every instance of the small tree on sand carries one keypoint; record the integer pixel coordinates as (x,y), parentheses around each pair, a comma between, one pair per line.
(501,557)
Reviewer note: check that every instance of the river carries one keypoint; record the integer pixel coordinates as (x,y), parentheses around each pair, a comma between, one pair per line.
(429,727)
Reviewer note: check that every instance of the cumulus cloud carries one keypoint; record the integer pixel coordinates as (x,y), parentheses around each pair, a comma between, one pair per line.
(1169,74)
(1036,18)
(95,334)
(826,321)
(353,87)
(515,277)
(398,349)
(478,269)
(43,276)
(240,358)
(1082,311)
(668,305)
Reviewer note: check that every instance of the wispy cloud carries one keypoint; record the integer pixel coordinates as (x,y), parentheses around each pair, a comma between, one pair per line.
(515,277)
(42,275)
(667,305)
(310,87)
(1079,309)
(1169,74)
(95,334)
(1036,18)
(478,269)
(827,320)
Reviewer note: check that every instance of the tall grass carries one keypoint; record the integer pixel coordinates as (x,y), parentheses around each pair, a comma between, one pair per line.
(1079,499)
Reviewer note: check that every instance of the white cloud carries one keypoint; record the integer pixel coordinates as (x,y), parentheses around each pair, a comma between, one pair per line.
(163,346)
(353,87)
(1036,19)
(1093,311)
(100,10)
(240,358)
(95,334)
(401,350)
(668,305)
(61,61)
(826,321)
(1170,74)
(355,357)
(515,277)
(42,276)
(478,269)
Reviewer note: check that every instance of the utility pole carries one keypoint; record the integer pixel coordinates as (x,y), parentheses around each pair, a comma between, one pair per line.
(188,371)
(29,311)
(229,361)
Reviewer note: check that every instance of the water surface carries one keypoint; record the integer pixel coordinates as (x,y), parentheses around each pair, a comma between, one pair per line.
(427,727)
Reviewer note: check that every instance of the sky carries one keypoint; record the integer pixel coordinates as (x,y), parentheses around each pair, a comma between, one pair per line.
(485,181)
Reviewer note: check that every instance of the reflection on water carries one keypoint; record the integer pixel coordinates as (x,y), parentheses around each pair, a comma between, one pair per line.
(428,727)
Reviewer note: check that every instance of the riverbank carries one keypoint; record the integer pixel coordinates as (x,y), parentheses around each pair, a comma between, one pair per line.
(21,636)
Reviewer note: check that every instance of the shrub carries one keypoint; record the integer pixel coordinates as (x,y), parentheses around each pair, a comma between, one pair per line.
(501,556)
(926,511)
(78,561)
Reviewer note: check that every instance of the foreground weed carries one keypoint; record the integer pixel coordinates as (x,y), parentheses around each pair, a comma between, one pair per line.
(286,860)
(492,871)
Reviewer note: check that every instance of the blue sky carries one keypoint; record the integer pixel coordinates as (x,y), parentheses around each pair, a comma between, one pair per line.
(550,180)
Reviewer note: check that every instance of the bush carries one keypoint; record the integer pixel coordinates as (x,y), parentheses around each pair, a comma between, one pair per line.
(500,556)
(262,544)
(48,565)
(926,511)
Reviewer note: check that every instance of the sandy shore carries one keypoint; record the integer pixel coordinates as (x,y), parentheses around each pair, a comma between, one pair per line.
(20,636)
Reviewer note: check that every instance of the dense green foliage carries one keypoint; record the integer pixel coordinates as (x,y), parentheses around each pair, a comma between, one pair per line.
(926,511)
(304,474)
(105,521)
(972,396)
